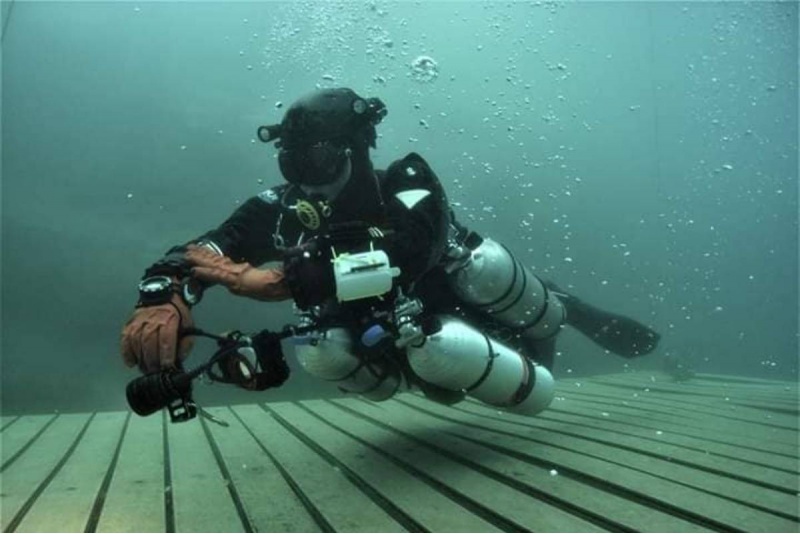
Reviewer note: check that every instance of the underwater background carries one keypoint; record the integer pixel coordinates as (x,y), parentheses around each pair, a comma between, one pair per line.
(640,154)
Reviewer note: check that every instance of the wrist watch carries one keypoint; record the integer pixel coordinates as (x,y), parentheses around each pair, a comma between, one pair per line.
(155,290)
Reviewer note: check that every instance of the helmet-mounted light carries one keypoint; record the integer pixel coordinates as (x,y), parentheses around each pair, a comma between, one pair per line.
(320,131)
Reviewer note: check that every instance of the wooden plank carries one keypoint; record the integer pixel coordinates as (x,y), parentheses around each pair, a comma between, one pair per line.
(66,503)
(746,380)
(660,480)
(701,378)
(759,396)
(713,439)
(22,434)
(29,474)
(698,387)
(715,398)
(712,436)
(6,421)
(650,377)
(430,509)
(675,404)
(339,503)
(684,403)
(201,499)
(779,440)
(719,406)
(627,514)
(773,393)
(268,498)
(771,489)
(535,515)
(412,465)
(134,501)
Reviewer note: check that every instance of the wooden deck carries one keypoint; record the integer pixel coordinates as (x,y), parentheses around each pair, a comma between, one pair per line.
(631,452)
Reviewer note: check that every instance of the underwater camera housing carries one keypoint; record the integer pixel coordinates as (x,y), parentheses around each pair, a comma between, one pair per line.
(253,362)
(172,390)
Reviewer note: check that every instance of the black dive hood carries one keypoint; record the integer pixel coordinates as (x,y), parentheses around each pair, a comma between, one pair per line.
(320,130)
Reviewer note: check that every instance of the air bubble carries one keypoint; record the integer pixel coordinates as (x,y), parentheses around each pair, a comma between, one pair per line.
(424,69)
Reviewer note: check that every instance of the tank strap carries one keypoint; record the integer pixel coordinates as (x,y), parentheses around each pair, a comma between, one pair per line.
(362,362)
(517,269)
(510,286)
(541,314)
(527,385)
(489,365)
(380,372)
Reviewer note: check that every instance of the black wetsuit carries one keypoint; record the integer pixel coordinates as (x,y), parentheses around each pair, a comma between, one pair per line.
(267,225)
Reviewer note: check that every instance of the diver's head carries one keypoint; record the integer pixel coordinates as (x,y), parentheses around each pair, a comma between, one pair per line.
(322,133)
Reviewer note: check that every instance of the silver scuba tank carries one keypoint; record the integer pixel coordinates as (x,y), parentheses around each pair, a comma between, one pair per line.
(461,358)
(328,354)
(494,281)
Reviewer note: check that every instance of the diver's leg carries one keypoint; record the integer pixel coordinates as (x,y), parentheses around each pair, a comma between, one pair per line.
(541,351)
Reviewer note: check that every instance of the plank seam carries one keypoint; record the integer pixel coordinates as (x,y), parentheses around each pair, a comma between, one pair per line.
(672,459)
(223,469)
(395,512)
(580,476)
(774,409)
(689,388)
(679,445)
(640,406)
(682,434)
(27,445)
(304,499)
(669,392)
(665,406)
(20,515)
(17,418)
(553,500)
(480,510)
(100,498)
(743,380)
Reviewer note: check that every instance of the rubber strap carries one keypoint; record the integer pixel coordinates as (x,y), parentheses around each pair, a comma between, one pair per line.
(526,387)
(510,286)
(489,365)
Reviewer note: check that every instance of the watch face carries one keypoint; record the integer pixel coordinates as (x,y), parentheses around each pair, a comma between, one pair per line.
(155,290)
(151,285)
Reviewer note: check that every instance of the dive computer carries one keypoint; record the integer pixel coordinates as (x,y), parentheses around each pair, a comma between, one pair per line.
(156,290)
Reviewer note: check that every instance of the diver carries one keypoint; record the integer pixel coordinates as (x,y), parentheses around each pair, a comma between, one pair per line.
(390,290)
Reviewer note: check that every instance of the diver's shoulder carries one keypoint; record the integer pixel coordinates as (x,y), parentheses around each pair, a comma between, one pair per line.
(273,194)
(410,171)
(412,159)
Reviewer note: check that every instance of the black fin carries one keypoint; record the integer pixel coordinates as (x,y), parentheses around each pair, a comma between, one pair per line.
(619,334)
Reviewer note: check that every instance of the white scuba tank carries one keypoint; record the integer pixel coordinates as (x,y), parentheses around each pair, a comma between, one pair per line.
(494,281)
(328,354)
(460,357)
